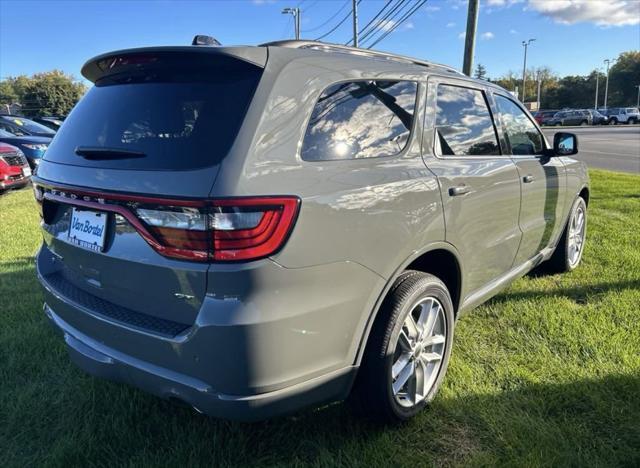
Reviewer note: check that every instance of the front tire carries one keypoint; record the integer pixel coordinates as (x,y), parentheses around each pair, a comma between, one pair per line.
(613,121)
(408,350)
(568,253)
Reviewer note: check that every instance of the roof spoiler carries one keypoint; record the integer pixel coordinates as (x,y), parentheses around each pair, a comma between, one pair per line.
(111,63)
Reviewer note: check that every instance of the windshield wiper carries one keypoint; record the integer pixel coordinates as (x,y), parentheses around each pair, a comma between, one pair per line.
(100,152)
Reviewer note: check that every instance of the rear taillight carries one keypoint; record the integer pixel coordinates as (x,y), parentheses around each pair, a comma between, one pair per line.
(251,228)
(223,230)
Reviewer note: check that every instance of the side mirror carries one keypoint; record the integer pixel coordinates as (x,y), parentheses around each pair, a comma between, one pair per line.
(565,144)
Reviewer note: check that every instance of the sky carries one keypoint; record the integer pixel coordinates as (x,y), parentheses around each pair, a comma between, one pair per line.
(572,36)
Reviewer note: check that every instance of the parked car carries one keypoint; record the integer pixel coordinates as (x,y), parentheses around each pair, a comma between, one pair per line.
(14,170)
(54,123)
(630,115)
(20,126)
(543,117)
(571,117)
(33,147)
(597,118)
(251,230)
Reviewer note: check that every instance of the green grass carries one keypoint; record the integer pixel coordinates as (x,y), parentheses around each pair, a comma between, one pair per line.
(547,373)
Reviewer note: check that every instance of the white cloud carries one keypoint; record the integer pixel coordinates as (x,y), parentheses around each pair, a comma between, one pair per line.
(513,31)
(487,36)
(602,13)
(431,8)
(262,2)
(462,35)
(451,24)
(409,25)
(501,3)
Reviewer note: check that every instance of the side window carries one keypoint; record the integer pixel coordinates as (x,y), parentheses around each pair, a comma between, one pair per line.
(522,134)
(360,119)
(463,123)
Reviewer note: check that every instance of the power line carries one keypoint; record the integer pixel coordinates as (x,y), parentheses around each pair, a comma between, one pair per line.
(388,18)
(402,20)
(337,25)
(346,2)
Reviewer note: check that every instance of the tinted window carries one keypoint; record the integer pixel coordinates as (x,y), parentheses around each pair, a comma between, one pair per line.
(522,134)
(363,119)
(178,122)
(29,126)
(463,123)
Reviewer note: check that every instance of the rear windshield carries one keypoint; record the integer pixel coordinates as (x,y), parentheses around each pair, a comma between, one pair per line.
(29,126)
(165,120)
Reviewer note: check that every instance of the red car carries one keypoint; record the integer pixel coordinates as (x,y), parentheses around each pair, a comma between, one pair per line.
(14,168)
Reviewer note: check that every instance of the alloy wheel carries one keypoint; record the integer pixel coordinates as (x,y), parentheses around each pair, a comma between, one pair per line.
(576,235)
(419,352)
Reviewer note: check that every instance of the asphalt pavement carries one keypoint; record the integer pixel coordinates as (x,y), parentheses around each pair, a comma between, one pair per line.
(606,147)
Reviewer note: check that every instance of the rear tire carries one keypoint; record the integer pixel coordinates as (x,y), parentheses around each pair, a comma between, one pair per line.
(568,252)
(583,123)
(408,350)
(632,121)
(613,121)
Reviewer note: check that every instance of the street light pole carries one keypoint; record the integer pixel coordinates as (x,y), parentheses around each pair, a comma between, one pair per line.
(296,18)
(638,101)
(595,102)
(524,69)
(539,85)
(606,86)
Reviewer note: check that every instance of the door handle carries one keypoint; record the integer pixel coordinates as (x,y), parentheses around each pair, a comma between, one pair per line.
(528,179)
(459,190)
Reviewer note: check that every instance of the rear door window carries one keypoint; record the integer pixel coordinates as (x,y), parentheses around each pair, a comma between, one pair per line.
(464,126)
(169,120)
(360,119)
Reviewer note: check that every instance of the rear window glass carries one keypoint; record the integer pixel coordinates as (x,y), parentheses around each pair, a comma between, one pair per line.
(167,121)
(361,119)
(29,126)
(464,126)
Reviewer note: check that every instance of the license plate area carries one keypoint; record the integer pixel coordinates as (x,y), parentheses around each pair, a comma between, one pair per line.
(87,229)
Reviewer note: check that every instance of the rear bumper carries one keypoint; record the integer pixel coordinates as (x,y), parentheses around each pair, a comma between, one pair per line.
(266,342)
(104,362)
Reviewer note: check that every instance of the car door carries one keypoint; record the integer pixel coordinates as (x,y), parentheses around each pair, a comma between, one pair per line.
(479,186)
(542,179)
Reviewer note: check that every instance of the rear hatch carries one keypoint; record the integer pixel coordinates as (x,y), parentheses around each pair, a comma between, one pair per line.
(122,184)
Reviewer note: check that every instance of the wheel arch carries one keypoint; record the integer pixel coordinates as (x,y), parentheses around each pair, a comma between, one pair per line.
(584,193)
(440,259)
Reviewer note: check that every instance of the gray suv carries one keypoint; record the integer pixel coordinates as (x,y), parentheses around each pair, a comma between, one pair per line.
(252,230)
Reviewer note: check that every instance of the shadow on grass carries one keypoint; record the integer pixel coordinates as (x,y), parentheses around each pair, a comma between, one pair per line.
(578,294)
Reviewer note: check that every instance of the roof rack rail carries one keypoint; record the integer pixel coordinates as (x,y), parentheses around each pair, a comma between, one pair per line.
(329,47)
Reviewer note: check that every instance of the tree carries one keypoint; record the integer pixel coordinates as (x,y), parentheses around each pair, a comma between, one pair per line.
(51,93)
(480,72)
(48,93)
(623,77)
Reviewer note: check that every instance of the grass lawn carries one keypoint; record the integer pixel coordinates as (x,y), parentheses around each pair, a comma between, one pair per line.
(547,373)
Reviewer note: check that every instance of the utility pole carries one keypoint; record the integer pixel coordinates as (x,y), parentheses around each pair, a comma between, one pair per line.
(638,101)
(296,18)
(470,37)
(355,22)
(524,69)
(606,86)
